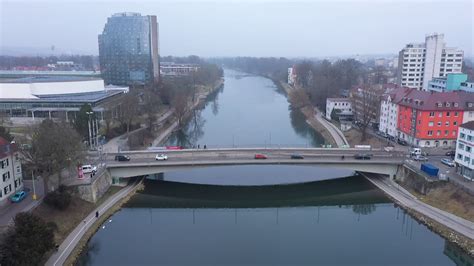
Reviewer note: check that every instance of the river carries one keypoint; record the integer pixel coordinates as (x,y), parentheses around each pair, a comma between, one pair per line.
(261,215)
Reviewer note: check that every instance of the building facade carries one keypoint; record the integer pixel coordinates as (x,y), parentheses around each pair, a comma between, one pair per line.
(128,50)
(11,178)
(419,63)
(291,75)
(174,69)
(464,157)
(388,115)
(344,106)
(451,82)
(431,119)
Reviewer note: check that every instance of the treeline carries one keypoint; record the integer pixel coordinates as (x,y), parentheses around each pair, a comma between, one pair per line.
(273,67)
(325,79)
(9,62)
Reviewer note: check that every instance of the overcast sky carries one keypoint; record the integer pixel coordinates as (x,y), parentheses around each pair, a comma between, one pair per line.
(244,28)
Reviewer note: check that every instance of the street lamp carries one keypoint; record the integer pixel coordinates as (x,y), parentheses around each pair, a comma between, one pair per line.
(89,124)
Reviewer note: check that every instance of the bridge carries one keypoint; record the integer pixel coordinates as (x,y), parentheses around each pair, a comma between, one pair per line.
(144,163)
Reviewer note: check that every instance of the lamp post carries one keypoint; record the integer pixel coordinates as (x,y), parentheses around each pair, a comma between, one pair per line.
(89,124)
(33,179)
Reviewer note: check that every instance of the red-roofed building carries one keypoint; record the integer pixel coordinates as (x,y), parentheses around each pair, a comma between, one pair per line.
(431,119)
(11,178)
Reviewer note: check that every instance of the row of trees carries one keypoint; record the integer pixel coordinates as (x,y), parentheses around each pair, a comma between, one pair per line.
(273,67)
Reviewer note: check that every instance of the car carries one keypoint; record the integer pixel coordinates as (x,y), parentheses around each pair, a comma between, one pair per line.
(122,158)
(451,153)
(402,142)
(382,134)
(420,158)
(18,196)
(161,157)
(448,162)
(391,138)
(89,169)
(260,156)
(362,156)
(297,156)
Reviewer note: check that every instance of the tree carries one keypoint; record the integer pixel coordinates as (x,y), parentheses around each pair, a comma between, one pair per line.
(81,122)
(299,98)
(335,114)
(367,100)
(151,103)
(180,105)
(55,146)
(27,241)
(5,133)
(128,110)
(59,199)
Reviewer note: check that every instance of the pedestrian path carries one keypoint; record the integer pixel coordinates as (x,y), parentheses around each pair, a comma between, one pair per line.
(68,245)
(335,132)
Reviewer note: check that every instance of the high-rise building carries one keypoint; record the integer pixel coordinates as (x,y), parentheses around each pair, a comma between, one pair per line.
(128,49)
(419,63)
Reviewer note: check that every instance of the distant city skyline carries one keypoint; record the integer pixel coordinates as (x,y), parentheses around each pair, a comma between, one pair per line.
(233,28)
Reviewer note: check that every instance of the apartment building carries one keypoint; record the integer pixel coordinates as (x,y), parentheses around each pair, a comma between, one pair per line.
(464,157)
(419,63)
(389,111)
(450,82)
(344,106)
(11,179)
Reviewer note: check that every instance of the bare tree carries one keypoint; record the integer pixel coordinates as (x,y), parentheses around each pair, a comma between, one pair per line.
(151,103)
(299,98)
(367,100)
(128,110)
(181,106)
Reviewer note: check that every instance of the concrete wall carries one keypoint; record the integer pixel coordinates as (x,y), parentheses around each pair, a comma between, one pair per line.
(95,190)
(417,180)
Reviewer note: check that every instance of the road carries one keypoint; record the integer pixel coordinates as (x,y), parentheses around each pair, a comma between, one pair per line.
(406,199)
(335,132)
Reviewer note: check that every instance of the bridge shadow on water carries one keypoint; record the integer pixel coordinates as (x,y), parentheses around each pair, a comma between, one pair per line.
(353,190)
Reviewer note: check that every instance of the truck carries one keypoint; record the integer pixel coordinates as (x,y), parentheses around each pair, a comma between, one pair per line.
(429,169)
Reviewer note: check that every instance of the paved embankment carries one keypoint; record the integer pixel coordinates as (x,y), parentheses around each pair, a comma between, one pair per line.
(68,245)
(406,199)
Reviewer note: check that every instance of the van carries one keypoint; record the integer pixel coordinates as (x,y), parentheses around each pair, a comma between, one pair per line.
(87,169)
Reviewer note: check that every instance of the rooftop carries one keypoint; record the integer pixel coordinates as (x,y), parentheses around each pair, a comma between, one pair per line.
(468,125)
(86,97)
(40,79)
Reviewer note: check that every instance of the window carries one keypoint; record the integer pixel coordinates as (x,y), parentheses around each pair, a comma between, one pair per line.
(431,123)
(469,137)
(438,133)
(468,148)
(447,123)
(455,123)
(432,114)
(7,189)
(462,135)
(446,132)
(454,133)
(459,156)
(440,114)
(448,114)
(439,123)
(467,159)
(6,176)
(456,114)
(430,132)
(461,146)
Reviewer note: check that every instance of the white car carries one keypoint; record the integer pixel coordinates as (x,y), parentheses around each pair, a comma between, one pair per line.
(87,169)
(448,162)
(161,157)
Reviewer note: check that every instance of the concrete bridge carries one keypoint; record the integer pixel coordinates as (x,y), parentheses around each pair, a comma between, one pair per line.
(144,163)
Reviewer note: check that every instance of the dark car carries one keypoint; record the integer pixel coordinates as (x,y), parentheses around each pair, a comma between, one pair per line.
(402,142)
(451,153)
(362,156)
(297,156)
(122,158)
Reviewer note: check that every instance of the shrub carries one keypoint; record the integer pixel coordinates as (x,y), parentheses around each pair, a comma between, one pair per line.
(59,199)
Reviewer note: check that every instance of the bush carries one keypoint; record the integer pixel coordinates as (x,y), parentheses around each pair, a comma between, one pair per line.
(59,199)
(27,241)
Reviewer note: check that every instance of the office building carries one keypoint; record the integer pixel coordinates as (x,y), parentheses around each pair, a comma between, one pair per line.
(419,63)
(128,50)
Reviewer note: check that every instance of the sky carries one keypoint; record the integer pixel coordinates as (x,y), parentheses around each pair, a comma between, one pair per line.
(242,28)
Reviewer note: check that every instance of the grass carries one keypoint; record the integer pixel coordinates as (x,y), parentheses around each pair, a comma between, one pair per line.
(451,199)
(68,219)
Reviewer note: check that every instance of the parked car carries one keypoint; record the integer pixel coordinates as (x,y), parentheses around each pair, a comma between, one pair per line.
(415,152)
(161,157)
(451,153)
(18,196)
(297,156)
(402,142)
(89,169)
(382,134)
(448,162)
(260,156)
(122,158)
(363,156)
(420,158)
(391,138)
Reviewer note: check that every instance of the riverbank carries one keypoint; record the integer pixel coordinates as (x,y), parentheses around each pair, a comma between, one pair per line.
(72,246)
(172,125)
(311,119)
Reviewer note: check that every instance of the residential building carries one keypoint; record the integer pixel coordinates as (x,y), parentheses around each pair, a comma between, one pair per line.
(431,119)
(291,75)
(174,69)
(389,111)
(467,86)
(29,99)
(343,105)
(450,82)
(366,101)
(11,178)
(419,63)
(464,157)
(128,50)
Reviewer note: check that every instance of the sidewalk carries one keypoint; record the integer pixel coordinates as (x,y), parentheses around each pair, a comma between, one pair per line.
(68,245)
(335,132)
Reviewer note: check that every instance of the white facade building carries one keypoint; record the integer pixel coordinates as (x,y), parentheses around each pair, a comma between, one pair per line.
(343,104)
(388,116)
(11,179)
(291,76)
(420,63)
(464,157)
